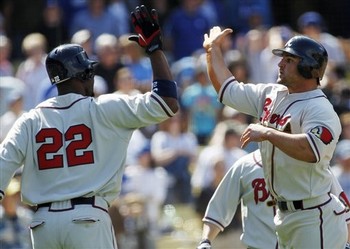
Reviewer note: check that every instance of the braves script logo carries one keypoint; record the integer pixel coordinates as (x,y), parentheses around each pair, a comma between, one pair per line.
(273,118)
(260,192)
(322,133)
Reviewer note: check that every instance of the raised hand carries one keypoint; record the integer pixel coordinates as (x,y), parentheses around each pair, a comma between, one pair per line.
(147,28)
(215,37)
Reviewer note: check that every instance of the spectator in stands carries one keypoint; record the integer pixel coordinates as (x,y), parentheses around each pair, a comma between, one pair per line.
(119,9)
(83,37)
(6,67)
(218,170)
(97,19)
(52,25)
(184,28)
(124,82)
(312,24)
(243,15)
(341,168)
(276,37)
(32,70)
(199,100)
(224,142)
(107,52)
(153,189)
(345,124)
(13,98)
(175,148)
(134,58)
(14,219)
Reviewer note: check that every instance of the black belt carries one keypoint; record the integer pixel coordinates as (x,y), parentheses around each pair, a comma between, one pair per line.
(74,201)
(282,205)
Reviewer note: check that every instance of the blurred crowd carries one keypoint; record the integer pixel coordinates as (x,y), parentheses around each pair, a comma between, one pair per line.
(182,160)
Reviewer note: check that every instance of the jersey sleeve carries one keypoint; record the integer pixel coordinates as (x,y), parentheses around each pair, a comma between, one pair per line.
(133,111)
(12,151)
(223,204)
(322,126)
(247,98)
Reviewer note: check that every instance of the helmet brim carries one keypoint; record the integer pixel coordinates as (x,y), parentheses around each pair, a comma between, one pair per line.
(279,52)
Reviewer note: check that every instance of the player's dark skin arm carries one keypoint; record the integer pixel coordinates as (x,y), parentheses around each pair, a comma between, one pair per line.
(162,71)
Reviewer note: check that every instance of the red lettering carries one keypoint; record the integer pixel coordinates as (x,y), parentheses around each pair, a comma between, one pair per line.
(52,140)
(260,192)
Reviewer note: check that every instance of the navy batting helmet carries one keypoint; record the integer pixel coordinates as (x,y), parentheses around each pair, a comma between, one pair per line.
(313,56)
(69,61)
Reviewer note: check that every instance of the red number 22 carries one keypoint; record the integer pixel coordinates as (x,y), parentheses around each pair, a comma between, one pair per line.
(53,140)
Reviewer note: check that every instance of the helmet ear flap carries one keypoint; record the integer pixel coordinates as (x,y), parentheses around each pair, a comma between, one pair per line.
(305,70)
(56,71)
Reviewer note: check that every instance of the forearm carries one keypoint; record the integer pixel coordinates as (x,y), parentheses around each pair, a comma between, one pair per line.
(294,145)
(217,70)
(210,231)
(216,67)
(160,66)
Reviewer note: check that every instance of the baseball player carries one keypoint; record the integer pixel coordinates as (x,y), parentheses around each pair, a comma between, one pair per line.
(244,183)
(73,146)
(297,135)
(337,190)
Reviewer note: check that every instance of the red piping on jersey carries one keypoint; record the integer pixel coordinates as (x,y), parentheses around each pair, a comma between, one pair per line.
(161,104)
(259,163)
(65,107)
(344,197)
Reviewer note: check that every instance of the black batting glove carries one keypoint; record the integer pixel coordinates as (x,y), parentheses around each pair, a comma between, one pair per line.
(147,28)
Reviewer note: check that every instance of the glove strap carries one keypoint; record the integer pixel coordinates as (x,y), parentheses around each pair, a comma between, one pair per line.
(205,241)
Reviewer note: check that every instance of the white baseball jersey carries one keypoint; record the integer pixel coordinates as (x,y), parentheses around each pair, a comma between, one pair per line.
(310,113)
(73,146)
(288,179)
(245,183)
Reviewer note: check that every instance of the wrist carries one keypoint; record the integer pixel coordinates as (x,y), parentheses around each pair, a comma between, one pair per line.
(205,241)
(267,134)
(212,47)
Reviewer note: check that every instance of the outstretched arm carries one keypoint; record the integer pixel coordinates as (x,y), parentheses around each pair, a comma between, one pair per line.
(149,37)
(217,70)
(161,71)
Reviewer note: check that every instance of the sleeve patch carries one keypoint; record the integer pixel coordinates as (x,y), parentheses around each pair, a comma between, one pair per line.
(322,133)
